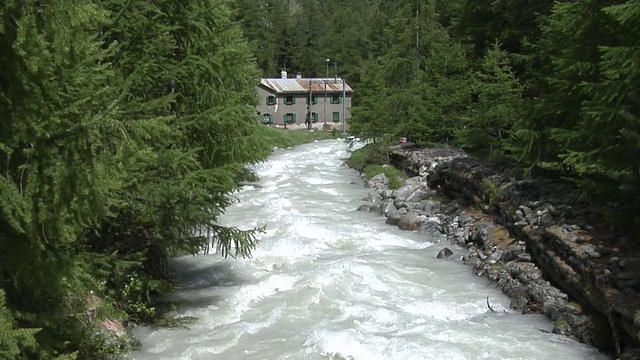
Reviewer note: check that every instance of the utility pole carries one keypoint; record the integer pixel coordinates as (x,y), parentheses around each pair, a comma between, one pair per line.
(324,116)
(344,112)
(309,116)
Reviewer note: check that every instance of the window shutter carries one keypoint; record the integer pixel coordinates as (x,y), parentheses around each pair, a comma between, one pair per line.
(270,118)
(284,118)
(294,115)
(294,100)
(315,117)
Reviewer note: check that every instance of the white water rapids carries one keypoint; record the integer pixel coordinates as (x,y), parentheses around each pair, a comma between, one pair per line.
(328,282)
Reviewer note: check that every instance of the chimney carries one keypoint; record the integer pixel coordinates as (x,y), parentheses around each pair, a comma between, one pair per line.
(284,74)
(298,76)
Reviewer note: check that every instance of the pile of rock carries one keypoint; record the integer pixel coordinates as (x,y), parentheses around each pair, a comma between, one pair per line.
(524,235)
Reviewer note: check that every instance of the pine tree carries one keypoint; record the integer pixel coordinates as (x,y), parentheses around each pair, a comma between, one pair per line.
(421,76)
(497,105)
(606,138)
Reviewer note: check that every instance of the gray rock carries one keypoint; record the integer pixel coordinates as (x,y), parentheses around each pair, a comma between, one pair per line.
(410,221)
(387,194)
(412,181)
(445,253)
(524,257)
(430,227)
(387,208)
(377,208)
(591,250)
(452,206)
(495,256)
(394,217)
(413,205)
(431,207)
(403,193)
(378,181)
(418,196)
(373,197)
(365,207)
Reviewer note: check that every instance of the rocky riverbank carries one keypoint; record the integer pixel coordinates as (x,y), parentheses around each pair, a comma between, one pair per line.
(539,239)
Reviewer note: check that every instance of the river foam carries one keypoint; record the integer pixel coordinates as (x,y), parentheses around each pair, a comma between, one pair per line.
(328,282)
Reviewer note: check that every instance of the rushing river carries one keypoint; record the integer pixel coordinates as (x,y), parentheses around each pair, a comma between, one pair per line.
(327,282)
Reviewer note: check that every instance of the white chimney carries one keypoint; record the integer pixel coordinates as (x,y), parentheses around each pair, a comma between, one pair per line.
(298,76)
(284,74)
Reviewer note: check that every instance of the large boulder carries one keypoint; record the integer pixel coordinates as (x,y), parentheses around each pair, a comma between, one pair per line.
(419,195)
(430,207)
(412,220)
(387,208)
(403,193)
(445,253)
(378,181)
(393,218)
(373,197)
(367,207)
(430,227)
(387,194)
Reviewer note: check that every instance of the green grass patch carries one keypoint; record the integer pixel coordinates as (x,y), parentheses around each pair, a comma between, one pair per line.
(283,138)
(395,176)
(371,154)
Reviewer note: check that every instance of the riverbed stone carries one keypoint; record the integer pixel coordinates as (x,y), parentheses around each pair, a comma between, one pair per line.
(365,207)
(419,195)
(387,208)
(403,193)
(430,206)
(378,181)
(445,253)
(373,197)
(412,220)
(387,194)
(394,216)
(430,226)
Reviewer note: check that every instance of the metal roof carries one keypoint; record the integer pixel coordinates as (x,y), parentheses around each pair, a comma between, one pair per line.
(301,85)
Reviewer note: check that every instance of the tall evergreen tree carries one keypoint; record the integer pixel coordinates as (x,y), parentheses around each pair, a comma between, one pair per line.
(496,107)
(605,138)
(422,74)
(57,108)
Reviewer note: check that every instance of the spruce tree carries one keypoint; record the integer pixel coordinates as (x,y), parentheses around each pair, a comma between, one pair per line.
(497,105)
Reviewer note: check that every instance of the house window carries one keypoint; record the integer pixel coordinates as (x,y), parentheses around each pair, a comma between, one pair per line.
(290,100)
(336,116)
(267,119)
(336,99)
(314,117)
(289,118)
(314,100)
(271,100)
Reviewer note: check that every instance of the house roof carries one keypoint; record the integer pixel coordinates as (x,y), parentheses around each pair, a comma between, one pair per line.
(302,85)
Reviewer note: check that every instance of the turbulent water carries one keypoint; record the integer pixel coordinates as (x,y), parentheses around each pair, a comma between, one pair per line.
(327,282)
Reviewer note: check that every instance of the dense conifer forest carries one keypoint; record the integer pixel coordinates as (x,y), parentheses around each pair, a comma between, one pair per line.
(553,84)
(126,124)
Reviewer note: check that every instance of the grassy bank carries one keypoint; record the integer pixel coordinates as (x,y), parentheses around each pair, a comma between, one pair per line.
(373,159)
